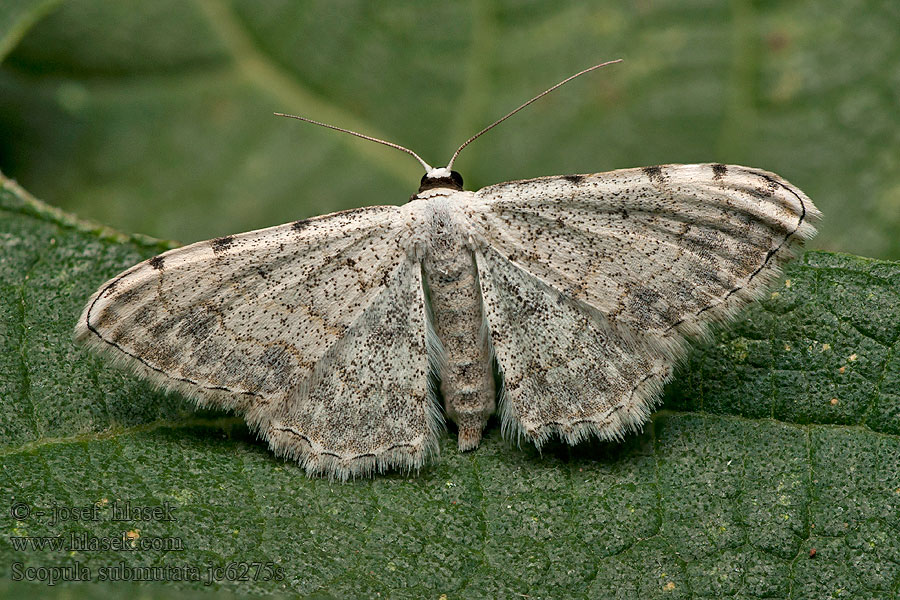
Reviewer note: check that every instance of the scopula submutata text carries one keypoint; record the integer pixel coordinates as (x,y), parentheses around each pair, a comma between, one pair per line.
(582,288)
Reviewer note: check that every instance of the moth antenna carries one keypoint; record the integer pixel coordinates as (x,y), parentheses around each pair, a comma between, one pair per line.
(538,97)
(428,168)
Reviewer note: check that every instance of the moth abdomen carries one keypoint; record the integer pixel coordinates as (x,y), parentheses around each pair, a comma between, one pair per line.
(467,383)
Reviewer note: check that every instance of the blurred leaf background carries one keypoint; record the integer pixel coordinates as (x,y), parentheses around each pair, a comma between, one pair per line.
(156,117)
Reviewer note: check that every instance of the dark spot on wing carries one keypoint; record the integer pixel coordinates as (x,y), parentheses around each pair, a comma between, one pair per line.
(102,320)
(208,353)
(576,179)
(762,192)
(719,171)
(707,276)
(771,181)
(351,211)
(279,364)
(157,262)
(771,186)
(159,355)
(574,291)
(653,173)
(300,225)
(640,304)
(221,244)
(197,326)
(162,327)
(145,315)
(350,262)
(129,295)
(645,296)
(707,239)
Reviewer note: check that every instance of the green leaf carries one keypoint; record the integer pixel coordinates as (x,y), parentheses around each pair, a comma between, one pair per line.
(780,435)
(17,17)
(157,116)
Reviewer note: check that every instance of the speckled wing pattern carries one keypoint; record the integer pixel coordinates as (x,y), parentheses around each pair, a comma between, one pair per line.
(591,283)
(291,326)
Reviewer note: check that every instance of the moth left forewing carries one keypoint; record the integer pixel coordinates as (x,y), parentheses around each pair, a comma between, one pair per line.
(205,318)
(261,322)
(651,255)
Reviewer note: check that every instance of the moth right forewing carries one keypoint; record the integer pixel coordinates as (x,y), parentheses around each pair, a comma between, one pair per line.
(660,249)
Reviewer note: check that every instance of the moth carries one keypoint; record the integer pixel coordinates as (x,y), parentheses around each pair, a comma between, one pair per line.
(582,289)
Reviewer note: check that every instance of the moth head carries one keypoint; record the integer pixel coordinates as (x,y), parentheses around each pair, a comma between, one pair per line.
(441,178)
